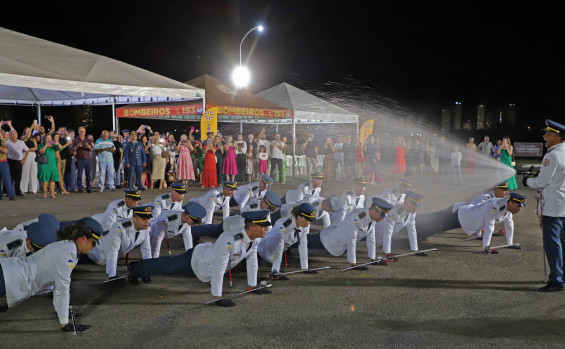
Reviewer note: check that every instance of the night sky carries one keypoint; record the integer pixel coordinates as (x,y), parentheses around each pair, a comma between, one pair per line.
(426,54)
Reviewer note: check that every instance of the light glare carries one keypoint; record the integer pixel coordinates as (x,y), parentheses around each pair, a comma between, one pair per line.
(241,77)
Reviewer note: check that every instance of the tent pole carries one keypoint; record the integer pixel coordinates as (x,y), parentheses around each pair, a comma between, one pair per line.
(39,114)
(241,127)
(277,128)
(293,146)
(357,125)
(114,121)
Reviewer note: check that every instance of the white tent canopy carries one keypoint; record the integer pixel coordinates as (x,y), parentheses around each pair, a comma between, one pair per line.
(36,71)
(307,107)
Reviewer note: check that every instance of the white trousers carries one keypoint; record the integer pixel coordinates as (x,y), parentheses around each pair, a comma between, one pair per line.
(29,175)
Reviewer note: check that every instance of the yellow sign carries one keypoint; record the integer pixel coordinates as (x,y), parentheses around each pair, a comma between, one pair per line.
(209,122)
(366,130)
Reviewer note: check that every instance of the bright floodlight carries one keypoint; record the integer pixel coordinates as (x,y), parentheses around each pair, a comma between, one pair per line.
(241,76)
(260,28)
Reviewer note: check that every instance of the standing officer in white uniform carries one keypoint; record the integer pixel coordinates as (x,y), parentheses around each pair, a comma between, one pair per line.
(119,209)
(396,195)
(255,190)
(213,201)
(22,277)
(124,235)
(19,243)
(171,201)
(551,206)
(403,215)
(286,232)
(175,222)
(209,262)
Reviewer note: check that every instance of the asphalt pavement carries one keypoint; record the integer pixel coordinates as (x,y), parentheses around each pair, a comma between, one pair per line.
(455,297)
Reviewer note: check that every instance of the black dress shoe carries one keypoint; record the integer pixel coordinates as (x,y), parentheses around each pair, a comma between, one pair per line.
(551,288)
(88,191)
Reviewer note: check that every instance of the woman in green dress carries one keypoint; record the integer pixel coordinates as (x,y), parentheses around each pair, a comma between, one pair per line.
(48,173)
(506,150)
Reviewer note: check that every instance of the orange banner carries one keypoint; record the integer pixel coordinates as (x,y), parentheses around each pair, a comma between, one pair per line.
(243,111)
(159,111)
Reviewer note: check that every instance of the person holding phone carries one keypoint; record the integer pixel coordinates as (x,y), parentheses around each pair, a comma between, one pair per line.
(5,168)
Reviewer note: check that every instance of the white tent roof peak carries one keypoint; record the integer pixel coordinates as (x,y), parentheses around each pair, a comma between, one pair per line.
(28,64)
(306,106)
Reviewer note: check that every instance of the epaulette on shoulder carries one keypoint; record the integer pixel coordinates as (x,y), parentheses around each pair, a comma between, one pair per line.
(287,222)
(502,208)
(255,188)
(350,193)
(127,224)
(121,203)
(362,214)
(166,196)
(253,205)
(238,236)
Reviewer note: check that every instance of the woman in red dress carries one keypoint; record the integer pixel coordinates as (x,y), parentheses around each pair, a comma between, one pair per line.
(209,178)
(399,167)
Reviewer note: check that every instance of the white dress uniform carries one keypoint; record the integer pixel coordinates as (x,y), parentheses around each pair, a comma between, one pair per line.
(551,182)
(316,201)
(338,238)
(164,202)
(476,200)
(393,196)
(246,192)
(284,234)
(169,223)
(212,201)
(116,210)
(236,222)
(476,217)
(348,202)
(13,244)
(308,189)
(120,240)
(397,219)
(210,261)
(51,266)
(23,226)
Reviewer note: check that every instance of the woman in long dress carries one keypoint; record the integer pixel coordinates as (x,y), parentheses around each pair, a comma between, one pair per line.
(185,170)
(471,153)
(329,161)
(399,166)
(230,164)
(209,178)
(506,151)
(359,158)
(48,173)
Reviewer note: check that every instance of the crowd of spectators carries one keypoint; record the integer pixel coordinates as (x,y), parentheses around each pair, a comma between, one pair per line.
(58,160)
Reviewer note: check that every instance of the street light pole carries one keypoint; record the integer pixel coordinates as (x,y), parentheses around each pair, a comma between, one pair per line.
(240,75)
(260,28)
